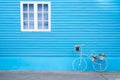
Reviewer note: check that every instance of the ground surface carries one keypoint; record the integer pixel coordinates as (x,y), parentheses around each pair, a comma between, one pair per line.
(58,75)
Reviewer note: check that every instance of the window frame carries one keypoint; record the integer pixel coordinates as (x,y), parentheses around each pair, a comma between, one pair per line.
(35,3)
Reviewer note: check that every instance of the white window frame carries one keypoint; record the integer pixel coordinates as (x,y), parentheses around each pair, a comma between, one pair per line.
(36,16)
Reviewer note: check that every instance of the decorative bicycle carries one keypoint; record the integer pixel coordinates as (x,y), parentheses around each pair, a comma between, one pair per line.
(99,62)
(79,64)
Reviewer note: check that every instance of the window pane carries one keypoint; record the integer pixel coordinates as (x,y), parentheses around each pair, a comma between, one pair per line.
(25,25)
(25,7)
(39,16)
(25,16)
(31,25)
(45,25)
(31,16)
(45,7)
(45,16)
(31,7)
(39,25)
(39,7)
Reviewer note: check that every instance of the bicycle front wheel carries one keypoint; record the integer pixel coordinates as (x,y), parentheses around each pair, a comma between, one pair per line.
(79,64)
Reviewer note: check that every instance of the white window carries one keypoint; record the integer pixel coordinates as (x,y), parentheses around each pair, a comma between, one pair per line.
(35,16)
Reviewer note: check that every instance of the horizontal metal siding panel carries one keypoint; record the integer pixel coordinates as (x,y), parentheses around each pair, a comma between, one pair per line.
(93,23)
(86,1)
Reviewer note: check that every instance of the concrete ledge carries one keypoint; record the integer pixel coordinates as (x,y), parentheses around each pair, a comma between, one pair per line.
(58,75)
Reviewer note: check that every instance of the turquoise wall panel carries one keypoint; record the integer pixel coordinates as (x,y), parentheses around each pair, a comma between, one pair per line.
(95,23)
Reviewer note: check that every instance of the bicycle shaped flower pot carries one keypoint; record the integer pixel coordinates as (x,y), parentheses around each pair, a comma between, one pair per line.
(99,62)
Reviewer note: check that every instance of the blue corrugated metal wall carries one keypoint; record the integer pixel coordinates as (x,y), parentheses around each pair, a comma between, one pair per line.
(95,23)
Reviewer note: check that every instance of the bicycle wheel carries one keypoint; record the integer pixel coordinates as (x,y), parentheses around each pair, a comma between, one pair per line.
(100,65)
(79,64)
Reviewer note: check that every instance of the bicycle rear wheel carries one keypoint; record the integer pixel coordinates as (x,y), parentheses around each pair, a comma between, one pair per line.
(79,64)
(100,65)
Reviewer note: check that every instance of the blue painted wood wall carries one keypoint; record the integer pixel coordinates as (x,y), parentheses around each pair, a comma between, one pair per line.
(95,23)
